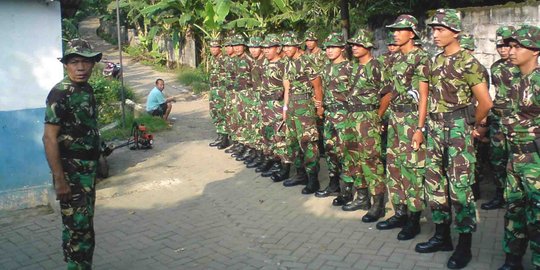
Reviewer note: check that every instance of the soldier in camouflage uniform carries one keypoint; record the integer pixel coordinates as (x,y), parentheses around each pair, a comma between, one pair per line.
(456,80)
(501,75)
(217,92)
(360,130)
(522,191)
(72,146)
(406,152)
(301,85)
(228,79)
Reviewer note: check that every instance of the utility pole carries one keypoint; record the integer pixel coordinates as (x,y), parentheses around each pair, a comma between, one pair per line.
(123,104)
(344,11)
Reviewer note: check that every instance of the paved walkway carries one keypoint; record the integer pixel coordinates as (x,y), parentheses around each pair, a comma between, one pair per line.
(183,205)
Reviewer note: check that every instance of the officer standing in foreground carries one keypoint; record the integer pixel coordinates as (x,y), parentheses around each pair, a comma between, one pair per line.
(72,146)
(522,192)
(456,79)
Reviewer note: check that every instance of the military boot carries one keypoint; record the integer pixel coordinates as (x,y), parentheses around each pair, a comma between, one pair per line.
(376,211)
(476,191)
(360,203)
(254,154)
(462,255)
(233,148)
(441,241)
(312,183)
(246,154)
(495,203)
(332,189)
(299,179)
(265,165)
(217,141)
(399,219)
(276,167)
(411,228)
(282,174)
(512,262)
(225,142)
(257,161)
(345,194)
(239,151)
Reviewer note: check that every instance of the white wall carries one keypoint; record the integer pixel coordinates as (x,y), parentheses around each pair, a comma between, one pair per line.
(31,43)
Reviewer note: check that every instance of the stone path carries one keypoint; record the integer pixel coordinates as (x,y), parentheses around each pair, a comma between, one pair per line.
(183,205)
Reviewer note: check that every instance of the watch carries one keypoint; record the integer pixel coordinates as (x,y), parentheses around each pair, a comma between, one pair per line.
(422,129)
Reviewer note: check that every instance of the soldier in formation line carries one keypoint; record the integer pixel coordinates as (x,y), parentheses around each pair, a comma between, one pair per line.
(280,106)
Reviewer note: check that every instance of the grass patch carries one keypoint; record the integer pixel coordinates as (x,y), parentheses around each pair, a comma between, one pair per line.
(194,78)
(153,124)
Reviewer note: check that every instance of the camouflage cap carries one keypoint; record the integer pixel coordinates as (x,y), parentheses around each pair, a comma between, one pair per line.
(238,39)
(271,40)
(335,39)
(82,48)
(466,41)
(449,18)
(363,38)
(255,42)
(405,21)
(310,35)
(215,42)
(528,36)
(227,41)
(290,39)
(390,39)
(503,33)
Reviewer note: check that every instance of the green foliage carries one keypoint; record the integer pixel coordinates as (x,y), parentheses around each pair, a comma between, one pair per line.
(194,78)
(69,29)
(152,123)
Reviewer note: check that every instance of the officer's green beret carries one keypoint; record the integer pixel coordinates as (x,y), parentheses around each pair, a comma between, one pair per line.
(82,48)
(310,35)
(271,40)
(448,18)
(466,41)
(405,21)
(335,39)
(528,36)
(363,38)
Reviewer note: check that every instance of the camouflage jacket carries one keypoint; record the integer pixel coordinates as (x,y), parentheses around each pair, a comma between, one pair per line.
(451,79)
(524,124)
(244,64)
(229,72)
(273,75)
(73,108)
(335,79)
(368,83)
(256,74)
(300,72)
(405,75)
(502,72)
(319,60)
(216,70)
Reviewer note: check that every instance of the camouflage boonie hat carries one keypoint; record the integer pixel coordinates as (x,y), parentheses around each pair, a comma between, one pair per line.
(390,39)
(466,41)
(215,42)
(503,33)
(310,35)
(227,41)
(82,48)
(271,40)
(255,42)
(238,39)
(363,38)
(528,36)
(448,18)
(290,39)
(335,39)
(405,21)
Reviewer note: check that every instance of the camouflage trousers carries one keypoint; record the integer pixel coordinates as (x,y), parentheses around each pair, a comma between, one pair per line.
(273,129)
(217,103)
(522,195)
(255,123)
(302,135)
(360,138)
(498,151)
(332,143)
(244,109)
(450,174)
(405,167)
(78,238)
(231,114)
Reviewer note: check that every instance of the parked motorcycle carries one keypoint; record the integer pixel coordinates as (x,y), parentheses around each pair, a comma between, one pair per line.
(113,70)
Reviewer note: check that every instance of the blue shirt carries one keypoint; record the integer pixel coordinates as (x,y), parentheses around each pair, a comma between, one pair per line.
(155,98)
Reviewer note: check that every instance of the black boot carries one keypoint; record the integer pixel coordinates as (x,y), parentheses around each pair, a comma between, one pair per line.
(239,151)
(257,161)
(225,142)
(345,194)
(265,165)
(495,203)
(282,174)
(360,203)
(233,148)
(377,209)
(512,262)
(252,157)
(476,191)
(299,179)
(217,141)
(398,220)
(246,154)
(411,228)
(441,241)
(331,190)
(462,255)
(276,167)
(312,184)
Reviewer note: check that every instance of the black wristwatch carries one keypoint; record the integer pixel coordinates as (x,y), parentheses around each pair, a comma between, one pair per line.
(422,129)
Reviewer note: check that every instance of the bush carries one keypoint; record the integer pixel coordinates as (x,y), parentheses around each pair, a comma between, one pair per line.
(194,78)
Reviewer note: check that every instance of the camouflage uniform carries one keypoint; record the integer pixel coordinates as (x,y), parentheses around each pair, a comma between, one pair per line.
(405,166)
(466,41)
(522,192)
(255,138)
(73,107)
(217,90)
(228,79)
(244,93)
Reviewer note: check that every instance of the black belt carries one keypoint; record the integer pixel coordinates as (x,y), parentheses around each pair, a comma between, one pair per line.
(81,154)
(523,148)
(404,108)
(502,112)
(276,96)
(361,107)
(304,96)
(449,116)
(335,107)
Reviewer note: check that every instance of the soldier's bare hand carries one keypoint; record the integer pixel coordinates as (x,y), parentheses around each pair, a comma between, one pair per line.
(479,132)
(417,140)
(63,191)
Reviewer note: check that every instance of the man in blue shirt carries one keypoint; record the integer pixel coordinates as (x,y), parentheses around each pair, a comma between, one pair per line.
(157,104)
